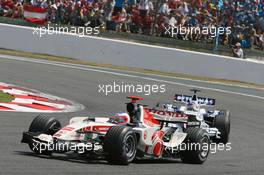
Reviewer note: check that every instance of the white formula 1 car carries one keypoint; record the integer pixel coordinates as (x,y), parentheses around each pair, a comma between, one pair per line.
(215,122)
(140,133)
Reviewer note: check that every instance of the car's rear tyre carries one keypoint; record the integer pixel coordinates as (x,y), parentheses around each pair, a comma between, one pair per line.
(222,123)
(196,146)
(43,125)
(120,145)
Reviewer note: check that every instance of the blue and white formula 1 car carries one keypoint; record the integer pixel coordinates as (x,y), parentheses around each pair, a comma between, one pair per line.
(215,122)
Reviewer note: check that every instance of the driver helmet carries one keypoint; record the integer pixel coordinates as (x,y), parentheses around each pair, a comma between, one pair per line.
(169,107)
(193,105)
(122,118)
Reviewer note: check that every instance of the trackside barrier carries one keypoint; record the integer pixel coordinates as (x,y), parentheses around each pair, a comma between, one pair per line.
(121,53)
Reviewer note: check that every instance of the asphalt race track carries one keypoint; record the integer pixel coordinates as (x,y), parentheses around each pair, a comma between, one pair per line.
(80,85)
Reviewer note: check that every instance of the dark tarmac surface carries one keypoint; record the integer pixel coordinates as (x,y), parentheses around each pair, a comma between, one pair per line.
(247,123)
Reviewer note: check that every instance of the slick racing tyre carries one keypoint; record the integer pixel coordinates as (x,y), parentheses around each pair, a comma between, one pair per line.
(120,145)
(222,123)
(196,146)
(43,125)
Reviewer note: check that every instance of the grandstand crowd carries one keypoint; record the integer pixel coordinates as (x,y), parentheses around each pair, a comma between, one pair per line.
(152,17)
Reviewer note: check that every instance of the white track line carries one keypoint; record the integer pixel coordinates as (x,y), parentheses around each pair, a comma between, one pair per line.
(84,68)
(150,74)
(140,44)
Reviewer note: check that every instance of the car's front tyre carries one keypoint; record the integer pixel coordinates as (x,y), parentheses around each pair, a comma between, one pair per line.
(120,145)
(196,146)
(222,123)
(43,125)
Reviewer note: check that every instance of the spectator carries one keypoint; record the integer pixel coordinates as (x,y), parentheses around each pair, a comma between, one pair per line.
(119,20)
(143,8)
(183,8)
(172,21)
(161,25)
(261,41)
(17,10)
(146,24)
(7,6)
(138,16)
(238,51)
(136,21)
(1,10)
(151,7)
(130,5)
(165,8)
(118,7)
(251,35)
(108,9)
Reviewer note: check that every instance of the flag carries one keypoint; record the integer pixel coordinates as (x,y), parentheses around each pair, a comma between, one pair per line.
(35,15)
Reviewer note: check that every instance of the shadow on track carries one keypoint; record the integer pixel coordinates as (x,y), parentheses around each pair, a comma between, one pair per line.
(63,157)
(76,158)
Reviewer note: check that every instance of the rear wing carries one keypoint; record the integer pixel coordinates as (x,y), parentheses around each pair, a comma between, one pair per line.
(201,100)
(168,117)
(134,99)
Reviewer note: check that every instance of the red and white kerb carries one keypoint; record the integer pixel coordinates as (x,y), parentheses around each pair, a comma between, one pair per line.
(28,100)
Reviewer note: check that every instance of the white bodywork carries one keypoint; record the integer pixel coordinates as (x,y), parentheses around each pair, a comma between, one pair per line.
(198,113)
(149,135)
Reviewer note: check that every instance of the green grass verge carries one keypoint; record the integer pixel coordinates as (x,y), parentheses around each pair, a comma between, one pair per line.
(5,97)
(14,21)
(138,70)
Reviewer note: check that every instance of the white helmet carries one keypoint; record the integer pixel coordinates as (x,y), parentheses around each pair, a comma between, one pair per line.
(193,105)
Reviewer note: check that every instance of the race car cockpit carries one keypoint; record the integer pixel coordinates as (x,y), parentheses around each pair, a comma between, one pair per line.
(139,114)
(132,109)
